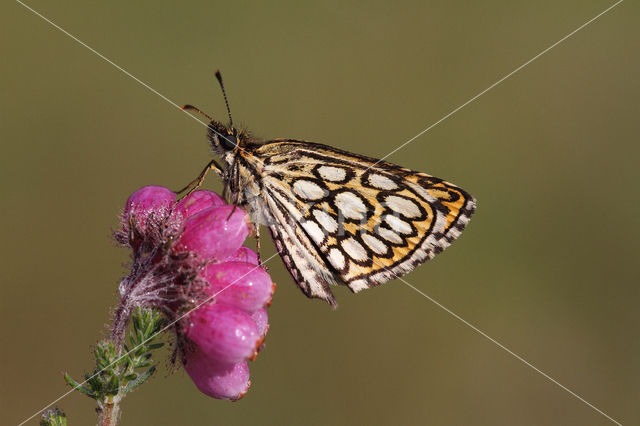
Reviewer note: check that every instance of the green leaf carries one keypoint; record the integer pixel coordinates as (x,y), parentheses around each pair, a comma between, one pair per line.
(140,380)
(150,326)
(129,377)
(77,386)
(135,319)
(143,364)
(155,346)
(122,360)
(99,353)
(95,383)
(113,386)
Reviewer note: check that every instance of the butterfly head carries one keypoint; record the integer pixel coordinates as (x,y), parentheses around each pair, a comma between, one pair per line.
(224,140)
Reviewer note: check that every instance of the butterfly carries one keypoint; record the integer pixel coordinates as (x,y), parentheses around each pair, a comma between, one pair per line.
(335,217)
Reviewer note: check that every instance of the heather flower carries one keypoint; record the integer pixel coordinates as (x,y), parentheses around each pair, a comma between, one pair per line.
(262,321)
(252,288)
(148,205)
(197,201)
(189,274)
(148,201)
(218,380)
(189,263)
(245,254)
(213,234)
(224,333)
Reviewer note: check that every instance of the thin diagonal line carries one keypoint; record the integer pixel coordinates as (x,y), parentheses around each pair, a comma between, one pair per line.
(509,351)
(497,83)
(149,339)
(127,73)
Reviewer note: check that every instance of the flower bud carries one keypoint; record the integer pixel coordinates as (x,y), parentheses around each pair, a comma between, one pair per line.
(224,333)
(239,284)
(146,201)
(214,233)
(198,201)
(222,381)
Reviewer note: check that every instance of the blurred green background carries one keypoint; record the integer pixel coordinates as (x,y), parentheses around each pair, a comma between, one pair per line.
(547,265)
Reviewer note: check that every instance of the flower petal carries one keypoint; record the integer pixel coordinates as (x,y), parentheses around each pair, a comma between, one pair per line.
(198,201)
(148,200)
(222,381)
(262,321)
(245,254)
(224,332)
(214,233)
(240,284)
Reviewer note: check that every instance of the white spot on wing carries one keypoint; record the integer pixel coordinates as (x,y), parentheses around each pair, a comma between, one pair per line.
(381,182)
(389,235)
(398,224)
(308,190)
(354,249)
(403,206)
(330,173)
(374,243)
(350,205)
(336,258)
(325,219)
(314,231)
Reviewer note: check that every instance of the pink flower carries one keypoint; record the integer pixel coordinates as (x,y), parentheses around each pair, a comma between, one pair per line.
(148,204)
(245,254)
(197,201)
(262,321)
(218,380)
(188,257)
(214,234)
(148,201)
(251,290)
(224,333)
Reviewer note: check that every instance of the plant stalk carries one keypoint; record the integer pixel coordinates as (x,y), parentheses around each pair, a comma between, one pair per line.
(108,412)
(109,409)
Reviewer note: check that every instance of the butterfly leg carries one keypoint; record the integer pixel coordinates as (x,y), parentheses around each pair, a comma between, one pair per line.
(195,184)
(256,234)
(233,210)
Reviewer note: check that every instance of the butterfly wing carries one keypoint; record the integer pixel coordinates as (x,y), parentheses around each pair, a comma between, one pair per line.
(340,217)
(301,257)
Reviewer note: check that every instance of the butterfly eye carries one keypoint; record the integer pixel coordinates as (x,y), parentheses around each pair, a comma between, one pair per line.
(228,142)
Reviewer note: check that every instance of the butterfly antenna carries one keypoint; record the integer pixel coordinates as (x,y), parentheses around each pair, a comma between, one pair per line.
(192,108)
(224,93)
